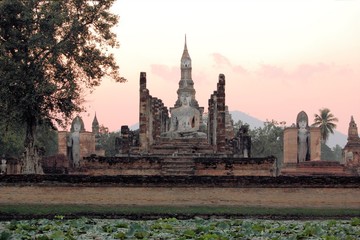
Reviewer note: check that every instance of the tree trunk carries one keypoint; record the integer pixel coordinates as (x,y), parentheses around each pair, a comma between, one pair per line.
(31,160)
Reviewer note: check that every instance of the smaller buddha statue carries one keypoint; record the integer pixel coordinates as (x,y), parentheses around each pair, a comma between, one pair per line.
(303,137)
(73,142)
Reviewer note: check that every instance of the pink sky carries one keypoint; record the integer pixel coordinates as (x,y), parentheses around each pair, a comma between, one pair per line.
(279,57)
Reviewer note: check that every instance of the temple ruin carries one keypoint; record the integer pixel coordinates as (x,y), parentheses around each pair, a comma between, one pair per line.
(351,151)
(182,140)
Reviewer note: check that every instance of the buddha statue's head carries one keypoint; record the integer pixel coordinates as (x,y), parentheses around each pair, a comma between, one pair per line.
(185,99)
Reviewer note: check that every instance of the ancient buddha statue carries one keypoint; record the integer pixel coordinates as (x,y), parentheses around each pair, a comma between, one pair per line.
(185,120)
(303,137)
(73,141)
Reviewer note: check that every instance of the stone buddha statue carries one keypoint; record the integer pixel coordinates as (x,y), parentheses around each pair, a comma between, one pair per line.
(73,142)
(185,120)
(303,138)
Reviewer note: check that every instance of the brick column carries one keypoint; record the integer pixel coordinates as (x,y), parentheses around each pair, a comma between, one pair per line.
(143,116)
(220,102)
(62,142)
(211,121)
(290,145)
(315,144)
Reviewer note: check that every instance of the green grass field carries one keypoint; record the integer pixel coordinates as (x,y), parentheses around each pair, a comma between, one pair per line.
(110,211)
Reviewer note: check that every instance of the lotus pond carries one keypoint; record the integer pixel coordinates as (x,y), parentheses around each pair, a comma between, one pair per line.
(172,228)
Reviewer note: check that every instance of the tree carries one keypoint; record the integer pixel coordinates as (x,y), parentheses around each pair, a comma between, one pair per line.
(238,125)
(46,138)
(334,154)
(326,121)
(268,140)
(12,140)
(338,151)
(50,51)
(326,152)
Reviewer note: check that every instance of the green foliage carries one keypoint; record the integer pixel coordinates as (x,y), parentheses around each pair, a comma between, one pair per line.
(238,125)
(337,151)
(334,154)
(5,235)
(355,222)
(47,139)
(107,141)
(84,228)
(268,140)
(12,140)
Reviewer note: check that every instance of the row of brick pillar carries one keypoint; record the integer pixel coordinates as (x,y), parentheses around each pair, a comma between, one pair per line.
(153,117)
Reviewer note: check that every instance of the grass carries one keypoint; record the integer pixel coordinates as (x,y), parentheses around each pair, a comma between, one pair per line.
(34,210)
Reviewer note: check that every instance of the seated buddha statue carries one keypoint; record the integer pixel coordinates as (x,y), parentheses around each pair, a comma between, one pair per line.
(185,120)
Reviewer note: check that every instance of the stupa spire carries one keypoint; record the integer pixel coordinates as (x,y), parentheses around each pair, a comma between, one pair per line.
(353,130)
(95,125)
(185,59)
(185,47)
(186,84)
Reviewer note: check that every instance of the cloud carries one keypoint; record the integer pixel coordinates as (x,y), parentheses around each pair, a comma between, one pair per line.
(266,71)
(166,72)
(239,69)
(302,72)
(221,61)
(305,72)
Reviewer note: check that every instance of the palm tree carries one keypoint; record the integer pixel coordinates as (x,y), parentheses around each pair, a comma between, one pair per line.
(325,120)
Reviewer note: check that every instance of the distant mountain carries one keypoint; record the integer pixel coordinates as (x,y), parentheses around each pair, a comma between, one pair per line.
(245,118)
(337,138)
(134,126)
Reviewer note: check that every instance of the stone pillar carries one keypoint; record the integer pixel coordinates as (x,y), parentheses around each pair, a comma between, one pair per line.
(212,120)
(87,144)
(315,144)
(156,111)
(143,114)
(62,142)
(290,145)
(125,139)
(220,103)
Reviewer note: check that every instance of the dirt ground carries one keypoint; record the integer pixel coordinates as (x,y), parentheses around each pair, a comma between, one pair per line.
(181,196)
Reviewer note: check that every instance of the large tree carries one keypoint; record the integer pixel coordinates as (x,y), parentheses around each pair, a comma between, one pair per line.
(326,121)
(50,51)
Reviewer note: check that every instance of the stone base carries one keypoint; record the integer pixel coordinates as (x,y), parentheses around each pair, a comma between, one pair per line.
(182,146)
(181,165)
(314,168)
(176,166)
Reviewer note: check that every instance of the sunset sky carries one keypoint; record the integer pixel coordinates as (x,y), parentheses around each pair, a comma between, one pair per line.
(278,57)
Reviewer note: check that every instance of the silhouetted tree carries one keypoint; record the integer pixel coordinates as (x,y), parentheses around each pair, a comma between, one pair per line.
(49,52)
